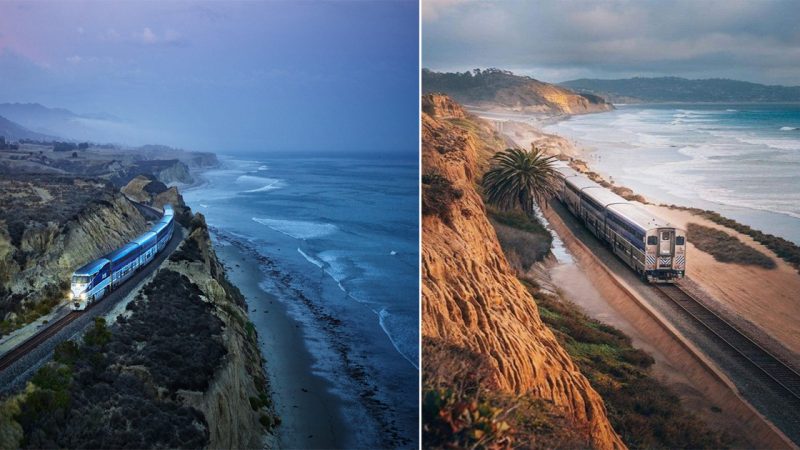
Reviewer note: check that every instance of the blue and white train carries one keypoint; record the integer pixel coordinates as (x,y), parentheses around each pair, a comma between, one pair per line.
(651,246)
(95,279)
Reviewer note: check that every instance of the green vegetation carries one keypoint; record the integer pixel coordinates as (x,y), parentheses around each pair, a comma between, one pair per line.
(786,250)
(644,412)
(525,241)
(462,409)
(98,335)
(726,248)
(438,194)
(519,179)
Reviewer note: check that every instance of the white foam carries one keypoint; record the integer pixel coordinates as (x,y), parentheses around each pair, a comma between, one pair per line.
(298,229)
(311,259)
(383,315)
(263,168)
(263,184)
(392,252)
(203,205)
(788,128)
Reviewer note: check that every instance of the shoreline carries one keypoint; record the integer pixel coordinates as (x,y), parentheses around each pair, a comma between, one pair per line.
(310,414)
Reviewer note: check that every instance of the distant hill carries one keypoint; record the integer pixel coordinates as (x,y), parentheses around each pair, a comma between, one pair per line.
(13,132)
(674,89)
(65,123)
(500,89)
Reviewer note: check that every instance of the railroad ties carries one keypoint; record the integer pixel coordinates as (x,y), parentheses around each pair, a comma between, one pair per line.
(774,371)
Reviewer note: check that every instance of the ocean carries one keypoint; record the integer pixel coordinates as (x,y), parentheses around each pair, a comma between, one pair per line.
(741,160)
(341,237)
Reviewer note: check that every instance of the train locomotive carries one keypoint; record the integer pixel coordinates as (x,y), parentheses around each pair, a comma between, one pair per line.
(652,247)
(95,279)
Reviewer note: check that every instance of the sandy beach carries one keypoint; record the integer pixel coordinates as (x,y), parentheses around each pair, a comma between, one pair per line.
(310,417)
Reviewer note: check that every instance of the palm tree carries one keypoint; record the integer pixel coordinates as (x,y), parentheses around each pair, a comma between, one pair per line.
(520,178)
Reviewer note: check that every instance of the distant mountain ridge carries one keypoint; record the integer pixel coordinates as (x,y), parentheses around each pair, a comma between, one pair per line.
(676,89)
(13,131)
(501,89)
(65,123)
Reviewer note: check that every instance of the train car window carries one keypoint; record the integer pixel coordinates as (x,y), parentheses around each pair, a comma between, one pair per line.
(652,240)
(679,240)
(665,236)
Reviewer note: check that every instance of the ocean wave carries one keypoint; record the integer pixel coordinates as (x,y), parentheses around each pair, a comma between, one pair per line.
(263,184)
(778,144)
(384,317)
(788,128)
(262,168)
(298,229)
(311,259)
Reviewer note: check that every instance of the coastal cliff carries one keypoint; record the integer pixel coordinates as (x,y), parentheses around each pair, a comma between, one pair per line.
(179,367)
(471,298)
(502,90)
(48,227)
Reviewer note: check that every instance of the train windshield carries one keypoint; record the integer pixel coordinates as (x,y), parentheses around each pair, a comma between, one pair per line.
(679,240)
(80,279)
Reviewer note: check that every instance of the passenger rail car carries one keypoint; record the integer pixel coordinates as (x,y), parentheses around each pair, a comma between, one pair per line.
(95,279)
(652,247)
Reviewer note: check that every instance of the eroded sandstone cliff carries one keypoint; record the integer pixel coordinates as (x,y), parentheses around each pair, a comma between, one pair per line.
(471,297)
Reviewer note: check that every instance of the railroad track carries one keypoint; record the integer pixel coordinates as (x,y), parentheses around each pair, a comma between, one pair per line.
(21,350)
(774,371)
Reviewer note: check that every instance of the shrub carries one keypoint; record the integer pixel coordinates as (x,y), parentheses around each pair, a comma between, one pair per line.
(523,239)
(726,248)
(98,335)
(462,407)
(644,412)
(66,352)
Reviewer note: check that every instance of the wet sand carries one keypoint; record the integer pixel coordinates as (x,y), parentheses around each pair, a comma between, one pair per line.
(309,412)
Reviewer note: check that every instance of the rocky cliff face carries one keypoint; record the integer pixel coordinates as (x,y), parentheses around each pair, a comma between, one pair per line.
(48,228)
(499,89)
(471,297)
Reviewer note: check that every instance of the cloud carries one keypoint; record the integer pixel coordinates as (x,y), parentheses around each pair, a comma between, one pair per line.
(617,38)
(148,37)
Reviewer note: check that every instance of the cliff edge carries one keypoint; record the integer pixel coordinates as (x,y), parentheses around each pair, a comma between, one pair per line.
(470,296)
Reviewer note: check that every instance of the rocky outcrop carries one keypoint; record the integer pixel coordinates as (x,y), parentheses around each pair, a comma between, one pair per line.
(471,298)
(500,89)
(149,191)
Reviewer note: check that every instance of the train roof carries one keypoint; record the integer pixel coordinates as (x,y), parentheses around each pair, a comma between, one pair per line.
(91,268)
(603,196)
(566,171)
(640,216)
(581,182)
(122,252)
(168,210)
(144,237)
(161,224)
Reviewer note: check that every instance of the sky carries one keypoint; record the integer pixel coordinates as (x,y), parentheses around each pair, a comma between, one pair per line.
(289,76)
(559,40)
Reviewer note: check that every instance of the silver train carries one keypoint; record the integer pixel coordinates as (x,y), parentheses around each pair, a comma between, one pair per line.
(95,279)
(651,246)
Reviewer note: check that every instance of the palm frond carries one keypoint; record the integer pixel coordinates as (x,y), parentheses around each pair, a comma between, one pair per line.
(520,178)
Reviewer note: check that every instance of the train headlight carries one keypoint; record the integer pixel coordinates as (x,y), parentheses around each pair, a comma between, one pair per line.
(83,296)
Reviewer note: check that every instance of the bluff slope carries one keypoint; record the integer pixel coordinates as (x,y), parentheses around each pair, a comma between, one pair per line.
(471,298)
(500,89)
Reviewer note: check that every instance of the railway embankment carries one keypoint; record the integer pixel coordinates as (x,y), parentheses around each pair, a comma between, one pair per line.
(180,366)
